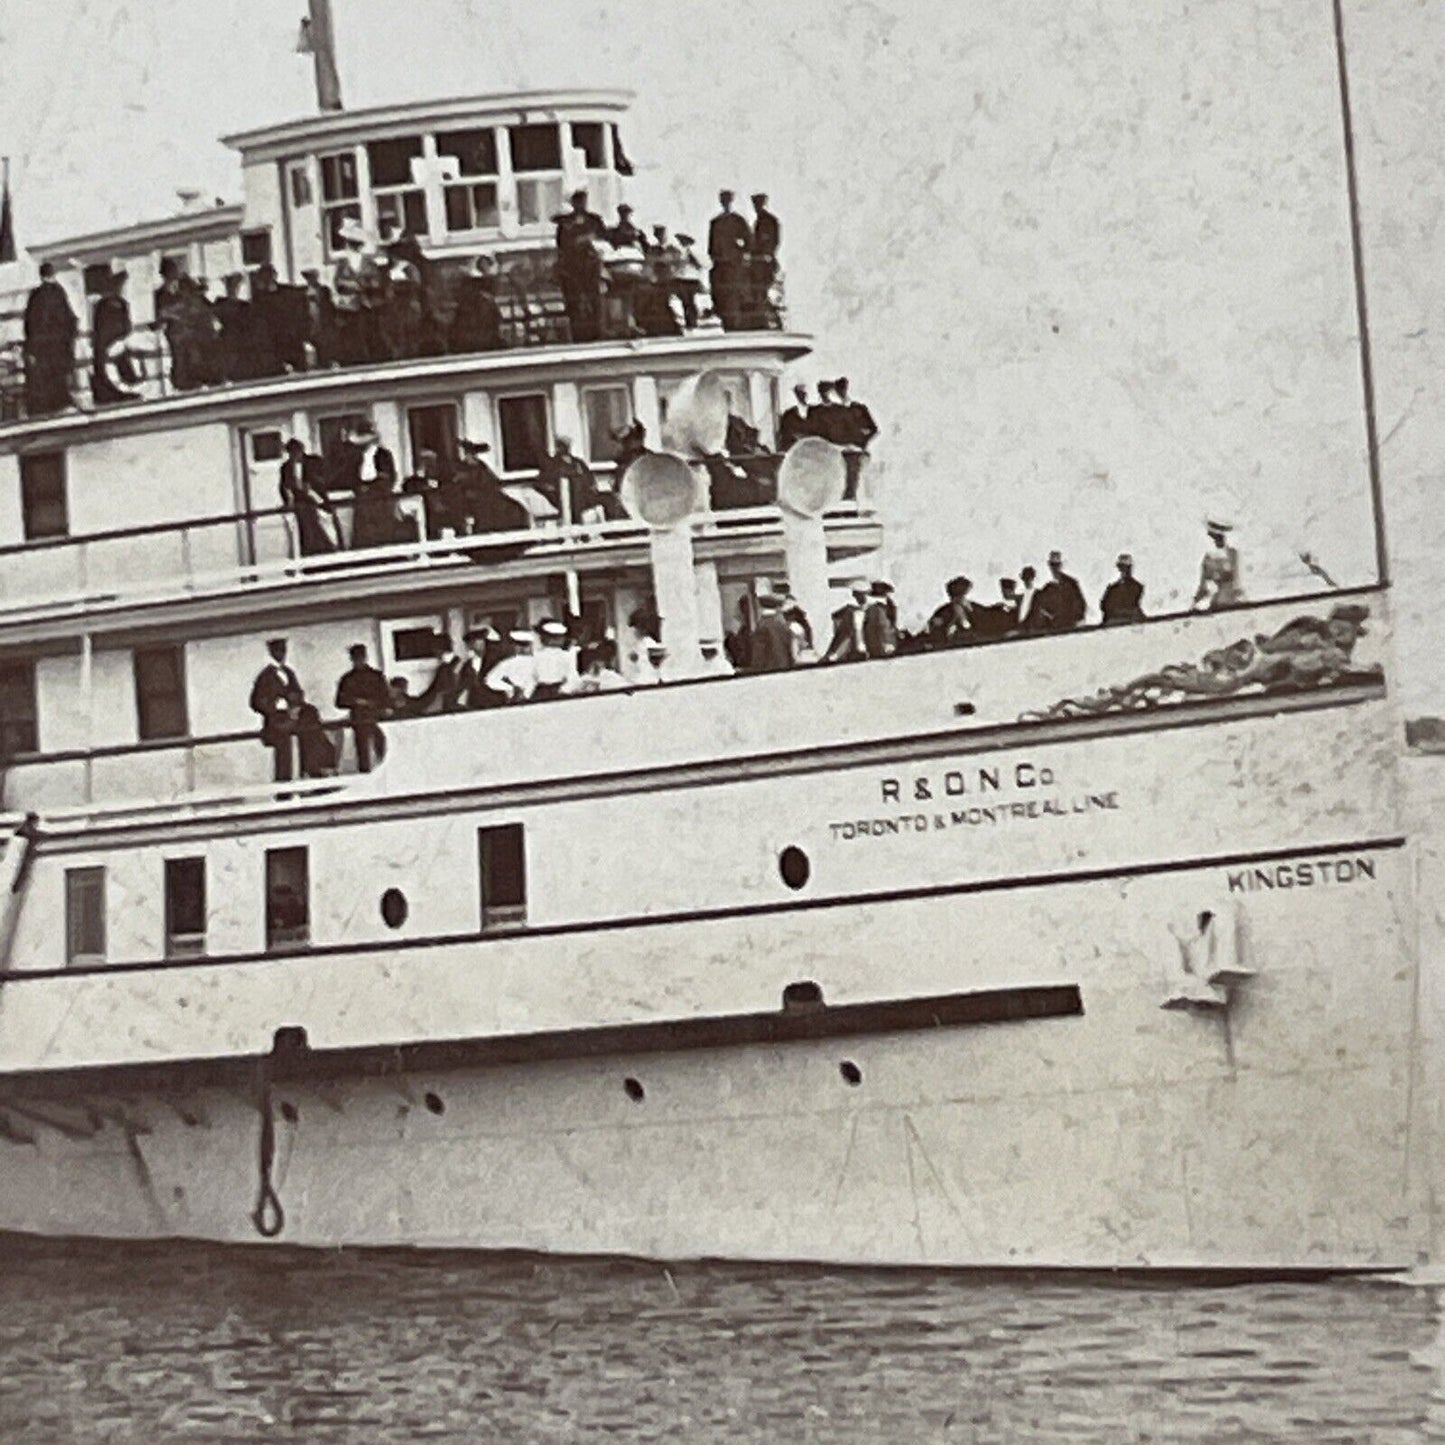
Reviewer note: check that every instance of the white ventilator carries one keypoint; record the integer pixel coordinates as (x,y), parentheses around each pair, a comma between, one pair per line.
(663,491)
(810,480)
(1208,963)
(697,417)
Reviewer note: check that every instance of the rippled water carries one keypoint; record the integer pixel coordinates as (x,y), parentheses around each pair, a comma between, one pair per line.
(191,1343)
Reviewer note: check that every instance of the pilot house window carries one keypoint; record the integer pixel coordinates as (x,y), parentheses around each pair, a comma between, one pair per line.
(503,856)
(537,161)
(84,915)
(471,194)
(288,899)
(400,201)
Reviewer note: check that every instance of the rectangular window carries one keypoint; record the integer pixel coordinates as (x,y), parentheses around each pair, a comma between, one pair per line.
(19,733)
(266,446)
(472,206)
(42,495)
(474,151)
(84,915)
(539,199)
(606,410)
(160,691)
(503,855)
(536,148)
(331,434)
(525,431)
(587,137)
(400,202)
(96,277)
(340,196)
(301,192)
(415,644)
(433,429)
(469,159)
(185,907)
(288,899)
(256,248)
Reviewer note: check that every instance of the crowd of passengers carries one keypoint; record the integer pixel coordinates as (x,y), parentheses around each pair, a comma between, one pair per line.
(560,658)
(388,301)
(357,498)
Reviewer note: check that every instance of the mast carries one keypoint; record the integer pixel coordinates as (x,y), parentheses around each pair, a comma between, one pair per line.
(320,40)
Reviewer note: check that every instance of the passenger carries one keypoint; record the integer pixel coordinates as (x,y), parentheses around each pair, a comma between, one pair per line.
(798,421)
(236,340)
(426,482)
(355,283)
(1061,598)
(772,645)
(444,692)
(400,702)
(848,644)
(477,322)
(192,334)
(579,267)
(857,429)
(804,646)
(1031,615)
(651,664)
(880,623)
(484,652)
(363,693)
(567,481)
(317,752)
(952,624)
(478,500)
(1219,579)
(714,660)
(625,232)
(277,695)
(281,316)
(631,443)
(599,673)
(729,242)
(303,494)
(369,471)
(320,322)
(49,342)
(515,678)
(401,311)
(1123,598)
(739,642)
(555,662)
(763,266)
(687,280)
(1000,619)
(830,421)
(110,328)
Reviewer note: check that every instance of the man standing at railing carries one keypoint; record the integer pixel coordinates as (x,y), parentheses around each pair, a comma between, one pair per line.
(579,267)
(277,696)
(567,482)
(109,325)
(364,694)
(303,492)
(729,242)
(763,266)
(50,328)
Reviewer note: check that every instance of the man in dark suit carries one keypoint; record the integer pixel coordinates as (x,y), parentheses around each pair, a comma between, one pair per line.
(763,265)
(363,692)
(770,646)
(856,428)
(303,493)
(579,267)
(880,622)
(1061,598)
(50,328)
(1123,599)
(829,419)
(109,325)
(849,641)
(277,696)
(444,691)
(729,242)
(952,624)
(798,421)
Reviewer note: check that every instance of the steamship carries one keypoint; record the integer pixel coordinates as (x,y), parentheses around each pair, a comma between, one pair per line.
(1086,949)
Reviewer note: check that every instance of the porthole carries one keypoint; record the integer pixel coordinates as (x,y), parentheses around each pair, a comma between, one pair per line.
(393,908)
(634,1090)
(852,1074)
(434,1104)
(794,866)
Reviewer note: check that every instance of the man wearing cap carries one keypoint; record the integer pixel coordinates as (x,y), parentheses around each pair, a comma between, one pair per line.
(687,279)
(848,643)
(479,503)
(951,625)
(857,429)
(1219,580)
(363,692)
(626,232)
(798,421)
(830,421)
(477,321)
(714,659)
(277,696)
(556,663)
(763,265)
(579,267)
(484,651)
(109,328)
(729,242)
(880,621)
(771,647)
(515,678)
(49,331)
(444,691)
(1061,599)
(651,663)
(1123,598)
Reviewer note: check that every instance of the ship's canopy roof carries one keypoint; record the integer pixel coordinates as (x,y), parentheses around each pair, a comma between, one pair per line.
(343,126)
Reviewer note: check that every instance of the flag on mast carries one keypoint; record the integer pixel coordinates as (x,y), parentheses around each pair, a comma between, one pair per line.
(318,40)
(7,219)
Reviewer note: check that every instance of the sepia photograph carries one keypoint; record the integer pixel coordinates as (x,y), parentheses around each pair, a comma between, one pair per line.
(722,725)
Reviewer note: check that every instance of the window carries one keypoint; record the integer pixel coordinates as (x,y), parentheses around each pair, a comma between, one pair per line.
(606,410)
(415,644)
(331,434)
(471,191)
(587,137)
(433,429)
(537,162)
(256,248)
(96,277)
(400,202)
(288,899)
(19,733)
(266,446)
(160,692)
(503,856)
(42,495)
(340,196)
(185,907)
(84,915)
(301,192)
(181,260)
(620,162)
(525,432)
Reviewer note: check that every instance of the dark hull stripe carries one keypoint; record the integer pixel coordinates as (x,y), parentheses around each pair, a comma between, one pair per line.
(1017,882)
(339,811)
(293,1062)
